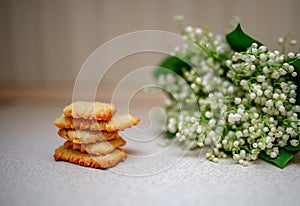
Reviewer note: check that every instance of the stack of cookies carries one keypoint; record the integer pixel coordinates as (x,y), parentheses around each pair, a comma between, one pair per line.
(91,133)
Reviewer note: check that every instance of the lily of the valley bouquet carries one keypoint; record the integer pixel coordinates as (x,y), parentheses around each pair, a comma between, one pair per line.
(233,95)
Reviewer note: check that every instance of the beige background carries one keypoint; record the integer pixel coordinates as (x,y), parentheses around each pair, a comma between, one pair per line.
(47,41)
(42,46)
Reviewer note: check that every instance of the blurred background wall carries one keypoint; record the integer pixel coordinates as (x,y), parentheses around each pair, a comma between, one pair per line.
(46,41)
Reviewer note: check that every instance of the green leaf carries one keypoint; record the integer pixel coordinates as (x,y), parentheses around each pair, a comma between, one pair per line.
(172,63)
(281,160)
(239,41)
(292,149)
(296,64)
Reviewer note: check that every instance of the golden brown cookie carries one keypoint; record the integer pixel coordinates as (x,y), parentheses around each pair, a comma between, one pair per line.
(117,123)
(86,136)
(84,159)
(99,148)
(89,110)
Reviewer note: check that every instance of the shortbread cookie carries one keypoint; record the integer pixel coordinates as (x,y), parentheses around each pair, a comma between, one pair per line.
(84,159)
(89,110)
(86,136)
(117,123)
(99,148)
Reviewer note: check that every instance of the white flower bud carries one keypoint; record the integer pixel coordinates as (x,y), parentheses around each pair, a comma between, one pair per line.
(282,96)
(263,57)
(259,93)
(294,142)
(237,100)
(292,100)
(273,155)
(189,29)
(262,48)
(198,31)
(291,54)
(216,160)
(252,95)
(236,143)
(261,78)
(275,96)
(239,134)
(293,42)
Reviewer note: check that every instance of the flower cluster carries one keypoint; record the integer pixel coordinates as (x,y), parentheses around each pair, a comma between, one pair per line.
(246,100)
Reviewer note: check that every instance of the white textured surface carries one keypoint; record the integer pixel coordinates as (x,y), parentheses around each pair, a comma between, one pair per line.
(30,176)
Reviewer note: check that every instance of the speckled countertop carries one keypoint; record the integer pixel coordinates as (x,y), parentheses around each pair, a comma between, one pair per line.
(151,175)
